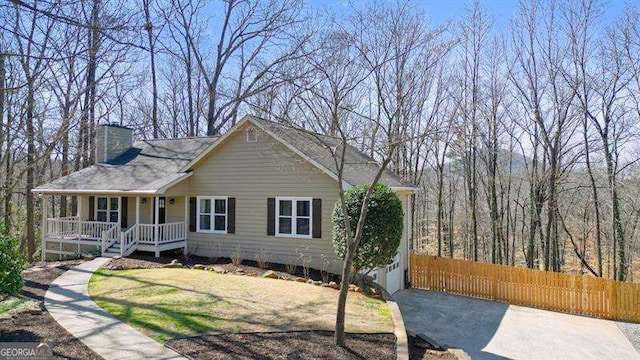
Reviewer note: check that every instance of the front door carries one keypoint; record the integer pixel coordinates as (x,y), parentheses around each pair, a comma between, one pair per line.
(162,210)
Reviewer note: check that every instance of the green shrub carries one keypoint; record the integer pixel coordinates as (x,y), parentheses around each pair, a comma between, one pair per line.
(11,264)
(382,230)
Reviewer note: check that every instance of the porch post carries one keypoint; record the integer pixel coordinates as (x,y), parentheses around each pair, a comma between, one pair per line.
(79,215)
(186,226)
(137,210)
(119,210)
(137,218)
(44,227)
(156,221)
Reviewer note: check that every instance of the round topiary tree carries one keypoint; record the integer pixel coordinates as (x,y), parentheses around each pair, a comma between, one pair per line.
(382,227)
(11,264)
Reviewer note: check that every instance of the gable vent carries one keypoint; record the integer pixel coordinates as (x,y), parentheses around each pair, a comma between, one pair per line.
(252,134)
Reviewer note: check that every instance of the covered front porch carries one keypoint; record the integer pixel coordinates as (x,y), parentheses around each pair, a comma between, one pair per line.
(114,224)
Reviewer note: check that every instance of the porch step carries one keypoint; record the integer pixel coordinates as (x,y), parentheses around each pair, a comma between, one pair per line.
(111,254)
(113,250)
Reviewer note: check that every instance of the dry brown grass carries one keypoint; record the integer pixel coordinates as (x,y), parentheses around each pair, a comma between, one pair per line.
(169,303)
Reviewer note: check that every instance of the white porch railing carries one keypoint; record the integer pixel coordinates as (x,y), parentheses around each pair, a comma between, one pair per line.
(169,232)
(129,240)
(105,234)
(172,232)
(72,227)
(146,233)
(63,227)
(110,237)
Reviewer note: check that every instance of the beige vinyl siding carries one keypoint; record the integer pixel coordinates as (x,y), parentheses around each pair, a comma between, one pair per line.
(84,207)
(145,210)
(175,211)
(252,172)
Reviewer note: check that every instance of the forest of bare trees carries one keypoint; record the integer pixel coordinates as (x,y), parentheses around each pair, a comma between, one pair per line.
(523,138)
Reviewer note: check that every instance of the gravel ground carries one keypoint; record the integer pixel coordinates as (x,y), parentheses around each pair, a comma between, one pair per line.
(632,332)
(40,326)
(286,345)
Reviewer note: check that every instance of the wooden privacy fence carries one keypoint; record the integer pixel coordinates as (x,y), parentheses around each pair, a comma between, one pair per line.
(574,294)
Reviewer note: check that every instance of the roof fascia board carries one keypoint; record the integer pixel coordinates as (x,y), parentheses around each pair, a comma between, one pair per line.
(404,189)
(96,192)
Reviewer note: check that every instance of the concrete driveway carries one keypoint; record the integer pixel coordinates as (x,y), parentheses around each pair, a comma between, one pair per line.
(491,330)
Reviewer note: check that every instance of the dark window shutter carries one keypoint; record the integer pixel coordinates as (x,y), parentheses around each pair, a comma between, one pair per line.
(271,216)
(317,218)
(92,208)
(124,212)
(192,214)
(231,215)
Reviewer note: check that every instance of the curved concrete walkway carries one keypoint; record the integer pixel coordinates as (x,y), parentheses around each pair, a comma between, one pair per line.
(68,302)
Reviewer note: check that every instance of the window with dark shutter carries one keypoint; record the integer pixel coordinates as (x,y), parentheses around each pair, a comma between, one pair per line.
(92,208)
(271,216)
(192,214)
(125,211)
(231,215)
(317,218)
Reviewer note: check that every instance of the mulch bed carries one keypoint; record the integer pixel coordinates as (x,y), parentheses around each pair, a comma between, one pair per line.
(142,261)
(40,326)
(285,345)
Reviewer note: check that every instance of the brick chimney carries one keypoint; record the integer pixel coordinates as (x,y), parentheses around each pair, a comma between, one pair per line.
(112,141)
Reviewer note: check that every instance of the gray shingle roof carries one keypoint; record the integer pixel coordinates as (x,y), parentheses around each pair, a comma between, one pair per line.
(151,165)
(358,169)
(148,166)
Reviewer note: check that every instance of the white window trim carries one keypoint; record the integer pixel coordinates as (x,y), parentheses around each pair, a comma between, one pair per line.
(293,200)
(109,211)
(213,214)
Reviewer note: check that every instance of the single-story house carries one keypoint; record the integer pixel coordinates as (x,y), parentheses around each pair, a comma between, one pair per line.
(262,189)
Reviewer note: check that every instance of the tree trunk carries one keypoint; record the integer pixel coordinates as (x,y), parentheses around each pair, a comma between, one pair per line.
(31,149)
(152,54)
(596,200)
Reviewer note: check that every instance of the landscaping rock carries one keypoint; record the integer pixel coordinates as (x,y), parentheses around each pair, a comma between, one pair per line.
(300,280)
(117,257)
(324,285)
(358,289)
(309,281)
(316,283)
(239,272)
(253,274)
(88,257)
(173,264)
(218,269)
(198,267)
(270,274)
(334,285)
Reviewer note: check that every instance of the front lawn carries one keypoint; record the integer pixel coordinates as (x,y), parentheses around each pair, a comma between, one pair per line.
(170,303)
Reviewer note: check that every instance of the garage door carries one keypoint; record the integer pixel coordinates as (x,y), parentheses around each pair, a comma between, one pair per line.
(394,276)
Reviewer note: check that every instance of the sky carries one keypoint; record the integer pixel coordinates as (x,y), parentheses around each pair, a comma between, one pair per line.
(439,11)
